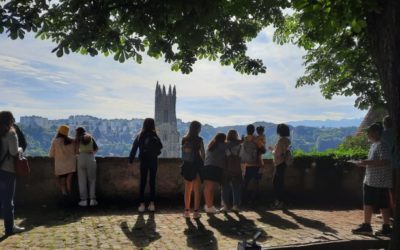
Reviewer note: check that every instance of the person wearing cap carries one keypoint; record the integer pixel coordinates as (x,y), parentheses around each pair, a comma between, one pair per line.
(377,182)
(62,149)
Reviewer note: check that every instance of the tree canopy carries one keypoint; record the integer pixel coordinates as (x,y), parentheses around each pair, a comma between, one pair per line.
(180,31)
(341,65)
(353,46)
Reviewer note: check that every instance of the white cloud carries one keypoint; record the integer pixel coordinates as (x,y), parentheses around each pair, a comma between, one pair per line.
(74,84)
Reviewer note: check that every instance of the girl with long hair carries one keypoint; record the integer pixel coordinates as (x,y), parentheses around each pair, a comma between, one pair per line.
(232,180)
(193,155)
(149,145)
(86,148)
(8,150)
(62,149)
(213,169)
(279,153)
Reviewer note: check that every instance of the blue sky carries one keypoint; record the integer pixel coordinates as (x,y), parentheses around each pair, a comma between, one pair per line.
(33,81)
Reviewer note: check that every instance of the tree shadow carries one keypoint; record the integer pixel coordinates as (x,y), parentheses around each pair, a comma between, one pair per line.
(31,220)
(143,232)
(198,237)
(275,220)
(239,228)
(310,223)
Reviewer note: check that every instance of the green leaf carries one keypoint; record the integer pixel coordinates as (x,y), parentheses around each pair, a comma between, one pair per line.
(59,52)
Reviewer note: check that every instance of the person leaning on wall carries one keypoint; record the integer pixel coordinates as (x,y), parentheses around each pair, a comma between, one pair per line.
(8,150)
(86,148)
(62,149)
(149,145)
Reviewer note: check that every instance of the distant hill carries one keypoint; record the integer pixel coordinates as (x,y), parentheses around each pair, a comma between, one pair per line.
(328,123)
(115,136)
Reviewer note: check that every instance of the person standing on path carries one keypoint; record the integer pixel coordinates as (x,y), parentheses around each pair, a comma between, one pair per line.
(8,150)
(149,145)
(86,148)
(62,149)
(377,182)
(232,178)
(249,155)
(213,170)
(279,153)
(193,155)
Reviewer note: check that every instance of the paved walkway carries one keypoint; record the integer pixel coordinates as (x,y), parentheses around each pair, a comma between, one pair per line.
(116,228)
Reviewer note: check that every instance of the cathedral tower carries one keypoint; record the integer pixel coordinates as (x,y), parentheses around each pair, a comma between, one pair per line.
(165,118)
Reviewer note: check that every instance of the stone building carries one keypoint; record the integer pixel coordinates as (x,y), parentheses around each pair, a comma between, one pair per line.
(165,119)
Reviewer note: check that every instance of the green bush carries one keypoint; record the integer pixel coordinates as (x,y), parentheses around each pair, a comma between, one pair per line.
(339,154)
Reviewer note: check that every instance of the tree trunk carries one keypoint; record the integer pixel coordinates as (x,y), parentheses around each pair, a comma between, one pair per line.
(383,31)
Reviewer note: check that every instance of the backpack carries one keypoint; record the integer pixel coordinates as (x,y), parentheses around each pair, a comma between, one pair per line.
(248,152)
(151,145)
(233,163)
(289,158)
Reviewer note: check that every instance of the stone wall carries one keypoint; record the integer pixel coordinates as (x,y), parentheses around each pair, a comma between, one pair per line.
(318,181)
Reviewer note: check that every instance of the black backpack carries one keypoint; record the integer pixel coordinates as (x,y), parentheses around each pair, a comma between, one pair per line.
(150,145)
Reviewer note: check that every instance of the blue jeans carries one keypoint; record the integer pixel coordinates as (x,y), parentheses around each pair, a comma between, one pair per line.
(232,188)
(7,191)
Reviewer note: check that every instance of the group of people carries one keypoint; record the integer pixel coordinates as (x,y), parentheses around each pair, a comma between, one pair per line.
(228,160)
(75,155)
(71,155)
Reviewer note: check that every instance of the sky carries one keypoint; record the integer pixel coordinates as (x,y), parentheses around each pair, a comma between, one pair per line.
(34,81)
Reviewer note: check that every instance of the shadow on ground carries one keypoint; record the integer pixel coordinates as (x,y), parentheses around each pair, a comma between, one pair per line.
(143,232)
(198,236)
(310,223)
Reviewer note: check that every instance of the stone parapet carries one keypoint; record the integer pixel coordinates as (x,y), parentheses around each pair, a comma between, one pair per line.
(118,180)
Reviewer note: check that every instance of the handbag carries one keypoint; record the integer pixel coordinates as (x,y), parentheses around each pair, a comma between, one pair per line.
(21,166)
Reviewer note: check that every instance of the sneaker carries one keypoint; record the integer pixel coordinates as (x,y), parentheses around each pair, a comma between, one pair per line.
(141,208)
(385,231)
(223,209)
(82,203)
(93,203)
(210,210)
(196,214)
(235,209)
(151,207)
(186,213)
(16,230)
(364,229)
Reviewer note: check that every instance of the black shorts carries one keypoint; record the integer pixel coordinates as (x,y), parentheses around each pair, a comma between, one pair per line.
(252,172)
(212,173)
(190,170)
(376,197)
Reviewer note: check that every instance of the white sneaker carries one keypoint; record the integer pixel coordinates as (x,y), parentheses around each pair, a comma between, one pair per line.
(223,209)
(141,208)
(151,207)
(93,203)
(82,203)
(235,209)
(210,210)
(186,213)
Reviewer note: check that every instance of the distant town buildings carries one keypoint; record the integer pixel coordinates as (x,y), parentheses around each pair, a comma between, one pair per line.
(165,119)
